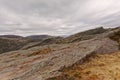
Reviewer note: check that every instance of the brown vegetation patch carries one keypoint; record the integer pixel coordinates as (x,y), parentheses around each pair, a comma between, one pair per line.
(16,55)
(42,51)
(31,61)
(101,67)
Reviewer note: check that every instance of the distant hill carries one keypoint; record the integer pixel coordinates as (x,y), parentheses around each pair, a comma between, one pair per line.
(39,37)
(10,36)
(15,42)
(20,42)
(10,44)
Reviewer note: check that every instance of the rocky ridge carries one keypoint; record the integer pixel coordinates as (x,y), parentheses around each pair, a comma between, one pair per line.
(45,61)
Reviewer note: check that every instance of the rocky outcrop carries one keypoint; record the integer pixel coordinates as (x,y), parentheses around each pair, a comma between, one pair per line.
(40,63)
(55,40)
(85,35)
(47,58)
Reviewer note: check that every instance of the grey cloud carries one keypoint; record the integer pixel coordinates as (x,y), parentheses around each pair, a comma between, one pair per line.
(56,17)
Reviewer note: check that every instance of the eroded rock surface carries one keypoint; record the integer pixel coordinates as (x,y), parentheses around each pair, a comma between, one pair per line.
(40,63)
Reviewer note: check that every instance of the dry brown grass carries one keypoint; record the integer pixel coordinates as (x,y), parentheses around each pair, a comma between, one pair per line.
(42,51)
(101,67)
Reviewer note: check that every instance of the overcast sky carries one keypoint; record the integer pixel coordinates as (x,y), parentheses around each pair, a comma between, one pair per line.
(56,17)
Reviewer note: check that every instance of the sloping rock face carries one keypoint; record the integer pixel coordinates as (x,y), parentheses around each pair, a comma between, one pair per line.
(40,63)
(85,35)
(99,67)
(55,40)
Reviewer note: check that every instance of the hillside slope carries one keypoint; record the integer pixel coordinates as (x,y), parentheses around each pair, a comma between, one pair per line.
(40,63)
(49,41)
(15,42)
(99,67)
(53,57)
(11,44)
(85,35)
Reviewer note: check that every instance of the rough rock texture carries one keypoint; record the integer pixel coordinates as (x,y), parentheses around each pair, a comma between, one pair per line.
(30,45)
(85,35)
(98,67)
(40,63)
(55,40)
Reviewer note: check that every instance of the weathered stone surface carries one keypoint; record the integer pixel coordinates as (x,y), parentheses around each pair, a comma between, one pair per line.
(40,63)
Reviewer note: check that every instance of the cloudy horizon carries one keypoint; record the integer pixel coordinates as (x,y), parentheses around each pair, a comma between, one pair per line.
(56,17)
